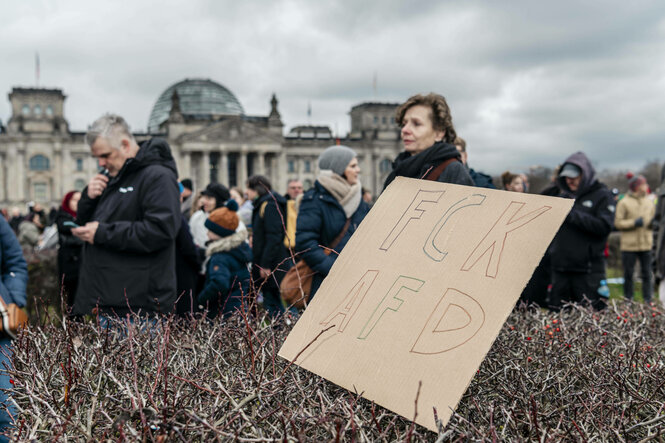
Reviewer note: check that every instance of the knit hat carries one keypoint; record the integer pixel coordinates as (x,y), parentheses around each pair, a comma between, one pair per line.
(186,183)
(635,181)
(570,170)
(218,191)
(223,221)
(336,158)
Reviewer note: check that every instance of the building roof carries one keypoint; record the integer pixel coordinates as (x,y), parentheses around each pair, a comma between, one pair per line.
(202,98)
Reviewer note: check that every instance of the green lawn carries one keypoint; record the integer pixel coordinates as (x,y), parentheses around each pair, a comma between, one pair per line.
(616,290)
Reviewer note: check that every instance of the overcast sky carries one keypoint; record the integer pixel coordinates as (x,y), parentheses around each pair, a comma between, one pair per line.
(528,82)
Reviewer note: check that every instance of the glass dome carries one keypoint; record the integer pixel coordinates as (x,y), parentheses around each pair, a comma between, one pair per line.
(200,98)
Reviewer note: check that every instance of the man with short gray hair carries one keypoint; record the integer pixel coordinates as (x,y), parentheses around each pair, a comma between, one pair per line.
(129,215)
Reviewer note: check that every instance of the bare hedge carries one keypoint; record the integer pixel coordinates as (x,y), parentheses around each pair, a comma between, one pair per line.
(576,375)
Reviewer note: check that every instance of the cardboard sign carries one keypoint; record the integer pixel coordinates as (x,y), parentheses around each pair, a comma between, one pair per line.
(420,292)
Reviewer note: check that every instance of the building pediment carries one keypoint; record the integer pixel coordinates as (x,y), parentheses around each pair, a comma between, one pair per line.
(230,130)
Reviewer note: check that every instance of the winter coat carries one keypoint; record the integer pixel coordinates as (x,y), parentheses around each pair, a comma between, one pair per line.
(320,220)
(481,180)
(187,264)
(28,234)
(418,165)
(659,229)
(227,276)
(131,264)
(630,208)
(197,228)
(13,269)
(268,248)
(580,242)
(70,247)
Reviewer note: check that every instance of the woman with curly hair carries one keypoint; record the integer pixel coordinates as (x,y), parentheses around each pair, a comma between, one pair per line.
(428,135)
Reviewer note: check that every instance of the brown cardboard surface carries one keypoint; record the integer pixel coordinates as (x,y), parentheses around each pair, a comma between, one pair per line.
(421,291)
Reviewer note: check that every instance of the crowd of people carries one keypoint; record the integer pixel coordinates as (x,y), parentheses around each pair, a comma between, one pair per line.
(136,239)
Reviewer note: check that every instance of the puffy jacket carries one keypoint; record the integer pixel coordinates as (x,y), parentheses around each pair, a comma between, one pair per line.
(13,269)
(320,220)
(227,276)
(630,208)
(268,221)
(580,242)
(134,246)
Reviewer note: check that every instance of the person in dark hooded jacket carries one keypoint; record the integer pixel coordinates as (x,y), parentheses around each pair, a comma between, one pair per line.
(268,230)
(226,288)
(658,226)
(578,262)
(428,136)
(129,220)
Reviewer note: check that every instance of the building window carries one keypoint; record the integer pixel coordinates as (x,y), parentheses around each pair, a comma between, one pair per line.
(308,166)
(233,160)
(79,184)
(376,119)
(49,110)
(291,166)
(39,163)
(39,192)
(25,109)
(384,120)
(385,165)
(79,164)
(38,110)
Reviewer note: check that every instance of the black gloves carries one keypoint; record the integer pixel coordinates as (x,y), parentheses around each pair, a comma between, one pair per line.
(639,222)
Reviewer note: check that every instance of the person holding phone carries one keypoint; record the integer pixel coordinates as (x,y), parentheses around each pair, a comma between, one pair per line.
(69,252)
(129,221)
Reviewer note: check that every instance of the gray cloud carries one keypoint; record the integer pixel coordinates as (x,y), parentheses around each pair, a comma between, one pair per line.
(528,82)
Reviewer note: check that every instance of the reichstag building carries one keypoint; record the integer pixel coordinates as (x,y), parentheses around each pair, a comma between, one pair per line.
(212,139)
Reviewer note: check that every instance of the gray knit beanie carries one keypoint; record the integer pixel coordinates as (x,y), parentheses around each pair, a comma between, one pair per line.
(336,158)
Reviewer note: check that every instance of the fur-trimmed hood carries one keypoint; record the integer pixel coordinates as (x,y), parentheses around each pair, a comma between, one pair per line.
(227,243)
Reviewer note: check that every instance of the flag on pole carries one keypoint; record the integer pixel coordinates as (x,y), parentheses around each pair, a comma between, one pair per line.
(309,109)
(37,68)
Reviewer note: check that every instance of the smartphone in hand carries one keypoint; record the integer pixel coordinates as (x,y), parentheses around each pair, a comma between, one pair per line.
(70,224)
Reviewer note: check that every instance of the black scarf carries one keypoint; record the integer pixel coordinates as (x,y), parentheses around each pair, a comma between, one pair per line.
(417,166)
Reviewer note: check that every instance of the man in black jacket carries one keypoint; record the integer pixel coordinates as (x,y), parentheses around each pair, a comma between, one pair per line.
(577,251)
(129,217)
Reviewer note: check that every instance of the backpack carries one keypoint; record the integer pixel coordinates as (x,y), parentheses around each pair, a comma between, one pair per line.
(290,215)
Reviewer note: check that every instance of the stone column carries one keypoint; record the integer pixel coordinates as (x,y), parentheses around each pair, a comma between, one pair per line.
(68,166)
(205,179)
(20,173)
(223,168)
(242,168)
(368,174)
(3,183)
(186,165)
(260,163)
(280,169)
(57,175)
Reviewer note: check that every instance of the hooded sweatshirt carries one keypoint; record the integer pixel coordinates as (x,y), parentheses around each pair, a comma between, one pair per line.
(580,242)
(131,264)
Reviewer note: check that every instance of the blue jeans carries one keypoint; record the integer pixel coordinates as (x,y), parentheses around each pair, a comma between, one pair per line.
(6,407)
